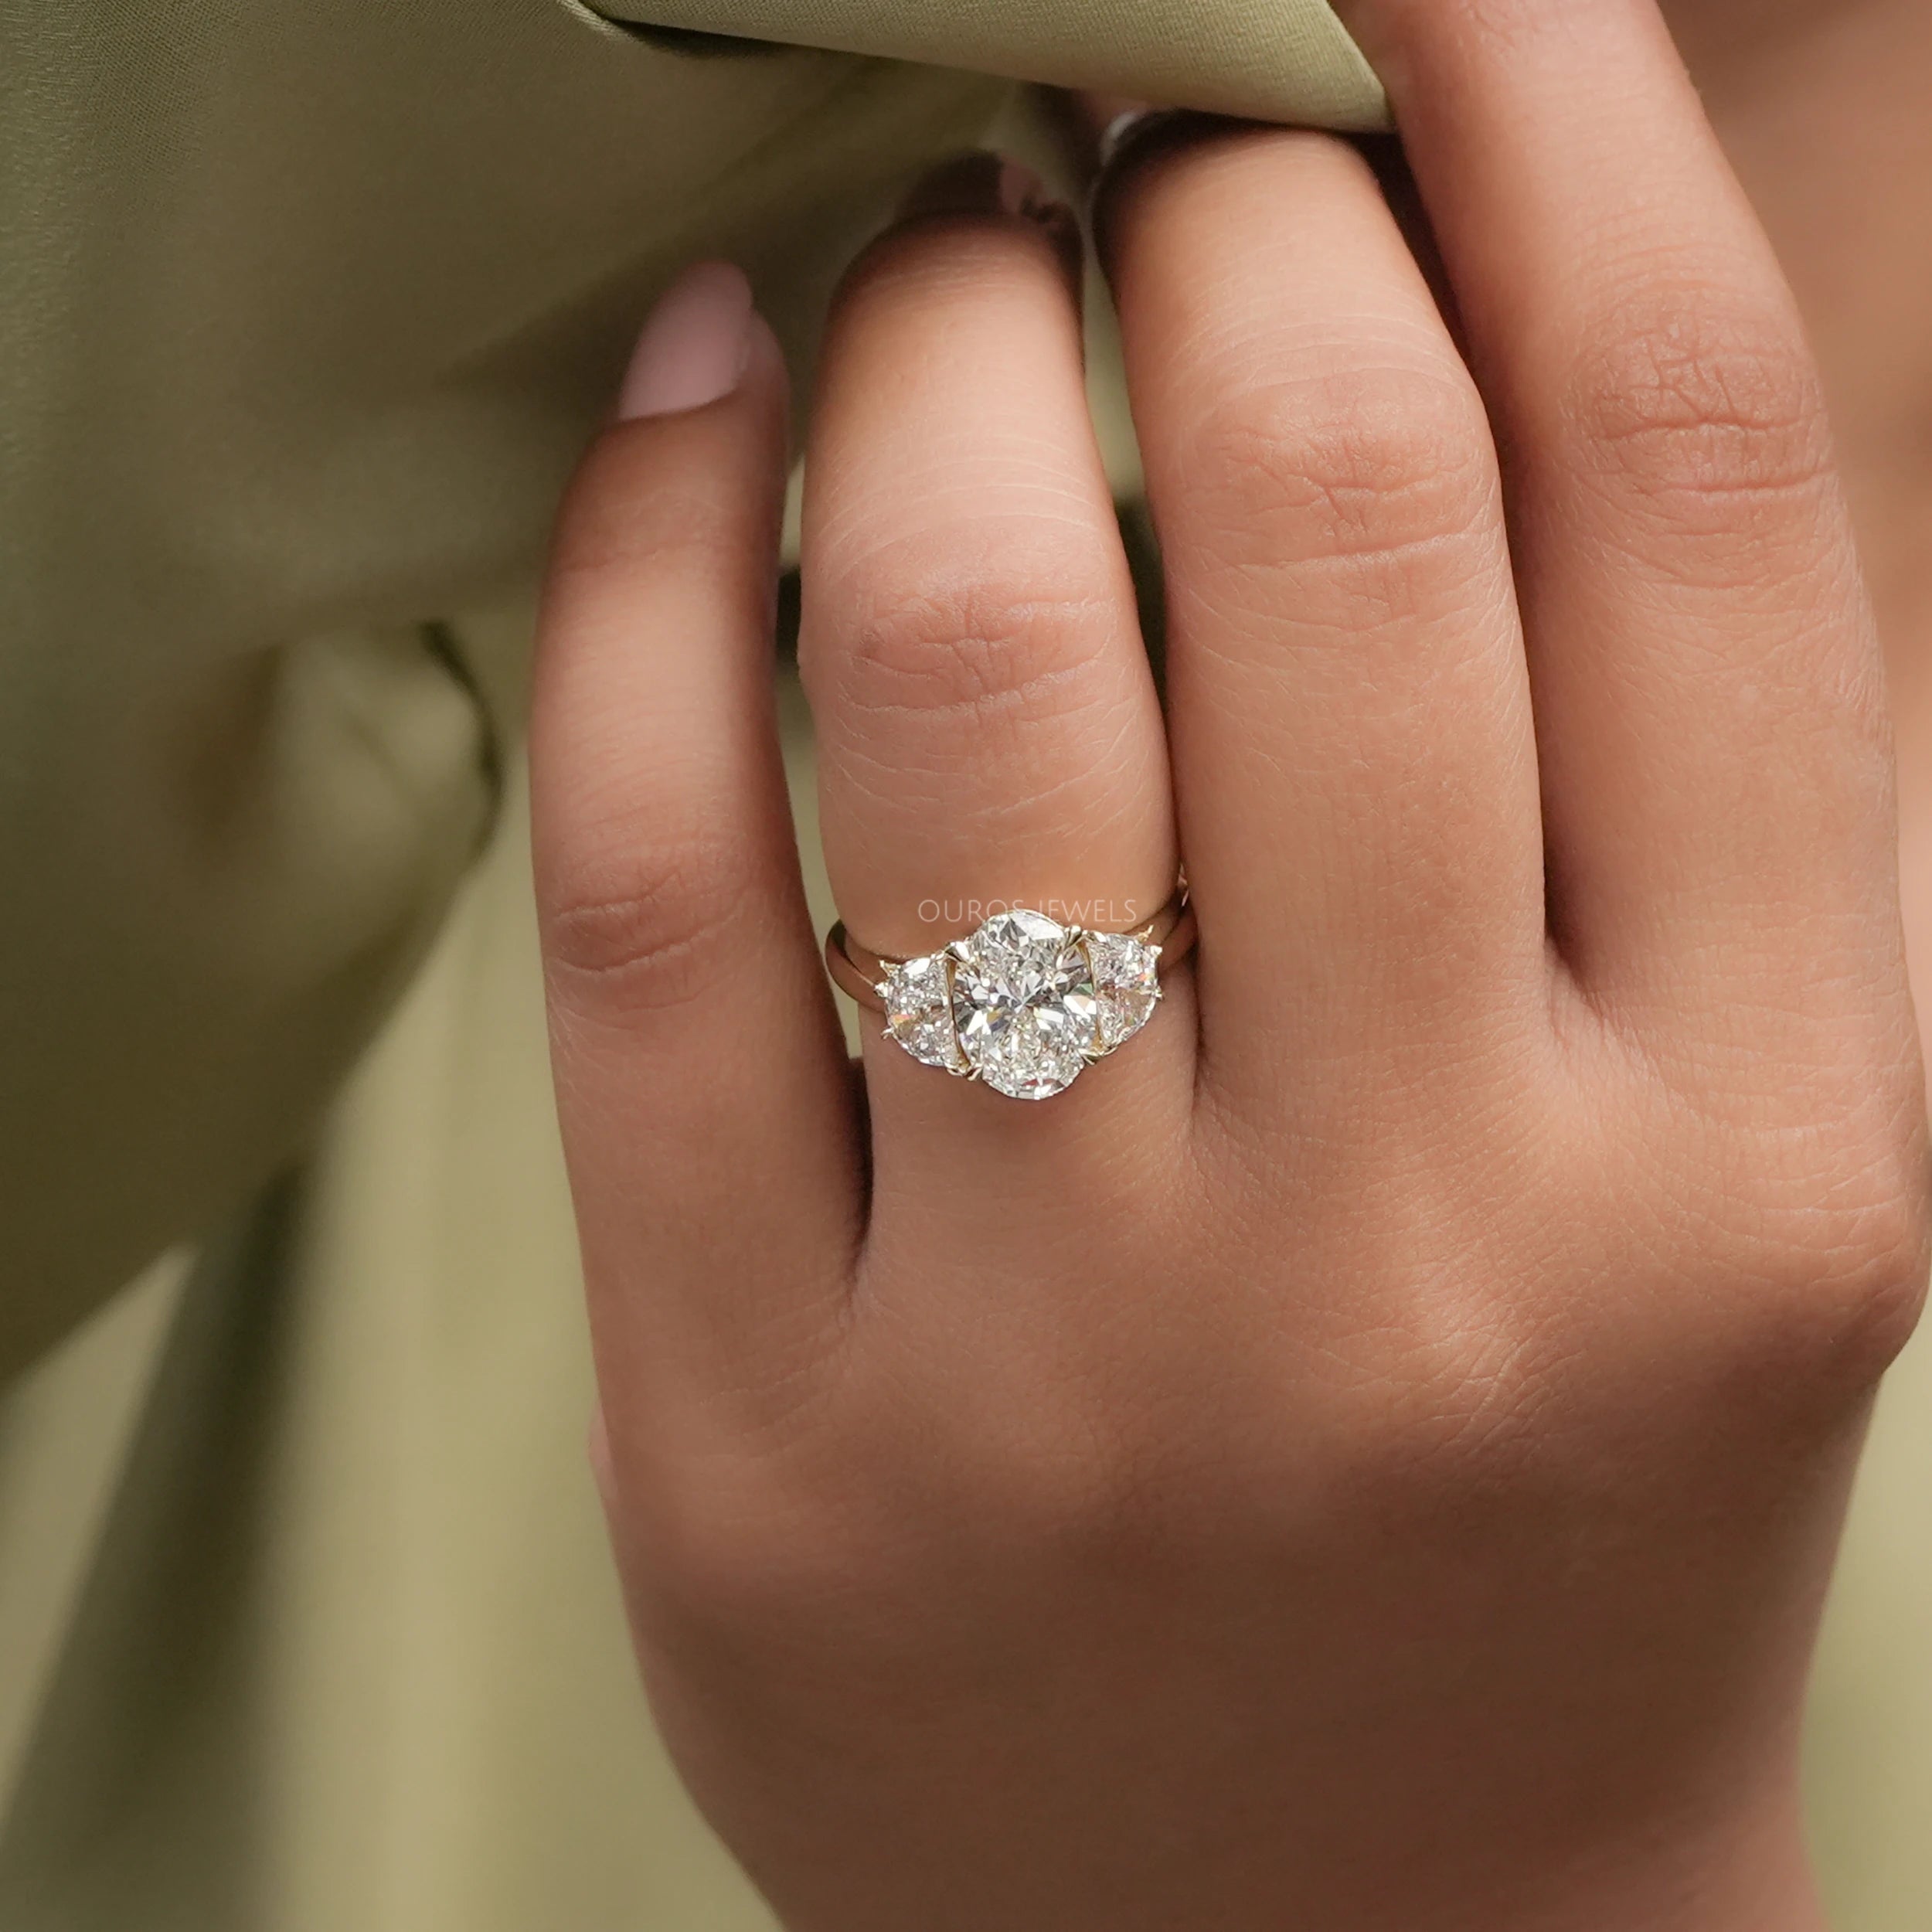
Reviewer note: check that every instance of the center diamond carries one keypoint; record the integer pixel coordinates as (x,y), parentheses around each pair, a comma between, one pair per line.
(1024,1006)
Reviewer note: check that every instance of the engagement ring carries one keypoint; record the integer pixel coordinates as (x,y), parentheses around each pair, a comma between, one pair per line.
(1025,1003)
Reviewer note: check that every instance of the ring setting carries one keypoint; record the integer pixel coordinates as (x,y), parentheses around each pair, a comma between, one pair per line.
(1024,1003)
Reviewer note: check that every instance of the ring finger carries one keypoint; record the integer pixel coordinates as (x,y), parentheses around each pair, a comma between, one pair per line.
(989,731)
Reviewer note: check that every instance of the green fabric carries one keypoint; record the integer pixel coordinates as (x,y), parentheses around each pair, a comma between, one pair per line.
(306,312)
(1274,59)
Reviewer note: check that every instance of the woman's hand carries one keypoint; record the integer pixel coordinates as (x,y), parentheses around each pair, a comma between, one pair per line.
(1368,1455)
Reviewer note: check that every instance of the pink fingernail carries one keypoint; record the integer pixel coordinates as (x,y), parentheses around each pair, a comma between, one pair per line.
(694,347)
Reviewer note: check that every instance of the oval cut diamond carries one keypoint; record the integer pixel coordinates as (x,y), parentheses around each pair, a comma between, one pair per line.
(1024,1006)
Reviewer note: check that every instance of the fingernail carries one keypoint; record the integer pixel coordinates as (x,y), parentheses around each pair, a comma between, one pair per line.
(694,347)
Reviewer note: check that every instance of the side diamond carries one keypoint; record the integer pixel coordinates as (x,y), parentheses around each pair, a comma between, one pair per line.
(918,1012)
(1127,981)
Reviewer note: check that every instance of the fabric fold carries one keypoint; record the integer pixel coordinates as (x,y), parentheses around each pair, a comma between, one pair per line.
(1289,60)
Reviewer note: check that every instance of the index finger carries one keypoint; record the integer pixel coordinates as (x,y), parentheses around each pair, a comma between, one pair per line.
(702,1085)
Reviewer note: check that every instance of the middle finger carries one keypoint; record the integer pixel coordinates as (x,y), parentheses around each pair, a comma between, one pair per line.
(1350,715)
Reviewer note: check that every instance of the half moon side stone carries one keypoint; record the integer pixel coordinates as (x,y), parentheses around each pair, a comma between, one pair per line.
(918,1012)
(1127,985)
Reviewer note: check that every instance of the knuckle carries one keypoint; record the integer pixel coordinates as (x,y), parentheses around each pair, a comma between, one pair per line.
(1703,401)
(647,935)
(943,634)
(1878,1285)
(1364,469)
(1825,1253)
(741,1557)
(1847,1273)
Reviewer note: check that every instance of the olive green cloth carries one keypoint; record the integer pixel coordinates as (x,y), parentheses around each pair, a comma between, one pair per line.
(1276,60)
(306,311)
(306,1623)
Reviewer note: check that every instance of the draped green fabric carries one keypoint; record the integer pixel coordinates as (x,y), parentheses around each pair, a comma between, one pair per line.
(1276,60)
(306,311)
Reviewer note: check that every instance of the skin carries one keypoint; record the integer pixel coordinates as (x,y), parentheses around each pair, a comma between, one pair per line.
(1370,1455)
(1820,107)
